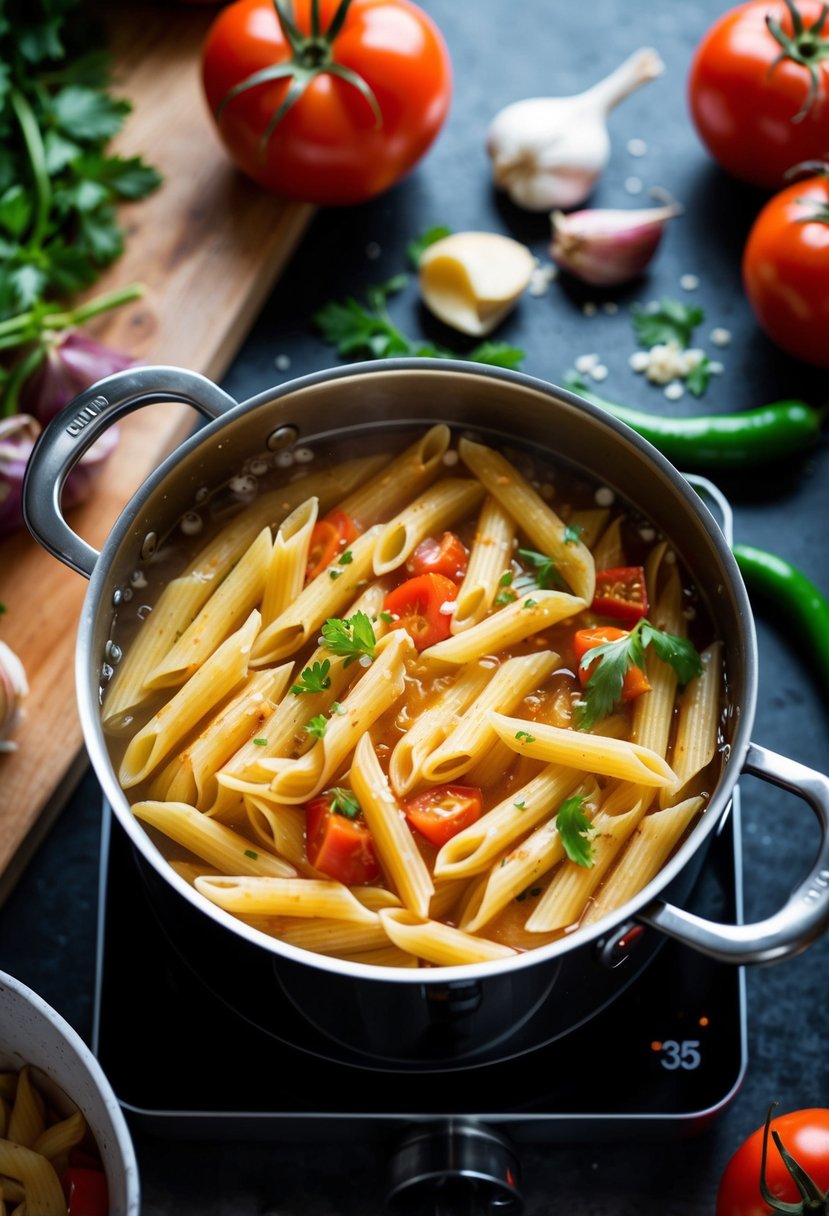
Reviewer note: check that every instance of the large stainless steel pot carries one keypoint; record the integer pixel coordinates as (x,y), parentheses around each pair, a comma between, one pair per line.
(447,1017)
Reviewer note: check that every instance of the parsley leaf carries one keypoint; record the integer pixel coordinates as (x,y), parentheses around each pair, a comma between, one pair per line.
(575,828)
(313,679)
(572,534)
(367,331)
(316,726)
(544,575)
(354,638)
(666,321)
(343,802)
(603,689)
(699,377)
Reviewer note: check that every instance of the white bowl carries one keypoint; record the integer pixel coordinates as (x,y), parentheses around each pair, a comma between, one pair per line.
(31,1032)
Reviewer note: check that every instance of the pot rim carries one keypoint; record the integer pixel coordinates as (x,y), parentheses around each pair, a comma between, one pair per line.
(99,591)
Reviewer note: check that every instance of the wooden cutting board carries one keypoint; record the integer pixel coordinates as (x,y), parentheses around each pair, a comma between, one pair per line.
(208,246)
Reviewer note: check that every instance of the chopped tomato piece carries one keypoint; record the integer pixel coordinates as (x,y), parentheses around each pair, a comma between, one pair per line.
(86,1191)
(329,538)
(337,839)
(418,607)
(621,593)
(447,556)
(635,682)
(442,812)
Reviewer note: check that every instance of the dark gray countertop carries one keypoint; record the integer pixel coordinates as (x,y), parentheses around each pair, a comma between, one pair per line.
(502,52)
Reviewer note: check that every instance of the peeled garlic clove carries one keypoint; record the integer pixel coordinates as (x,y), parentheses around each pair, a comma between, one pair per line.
(471,280)
(13,688)
(605,246)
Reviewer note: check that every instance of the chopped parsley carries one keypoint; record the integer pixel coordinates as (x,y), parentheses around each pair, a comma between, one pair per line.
(543,574)
(603,690)
(387,617)
(345,559)
(572,534)
(525,736)
(313,679)
(343,802)
(352,638)
(261,742)
(520,805)
(575,828)
(533,891)
(529,604)
(666,321)
(316,726)
(251,854)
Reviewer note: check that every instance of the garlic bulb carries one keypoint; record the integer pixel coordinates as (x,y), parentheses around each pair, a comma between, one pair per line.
(549,152)
(13,688)
(605,246)
(471,280)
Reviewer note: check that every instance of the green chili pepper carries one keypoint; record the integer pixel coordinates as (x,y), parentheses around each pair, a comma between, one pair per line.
(790,593)
(723,442)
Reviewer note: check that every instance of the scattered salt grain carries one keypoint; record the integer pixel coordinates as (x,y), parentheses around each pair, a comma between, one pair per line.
(647,534)
(639,360)
(282,362)
(604,497)
(633,185)
(586,363)
(674,390)
(541,278)
(590,309)
(636,147)
(689,282)
(599,372)
(450,458)
(720,337)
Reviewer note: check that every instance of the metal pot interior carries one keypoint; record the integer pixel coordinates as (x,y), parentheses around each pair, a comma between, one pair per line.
(329,409)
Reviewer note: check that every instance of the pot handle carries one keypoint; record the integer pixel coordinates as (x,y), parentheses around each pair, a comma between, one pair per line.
(803,917)
(73,431)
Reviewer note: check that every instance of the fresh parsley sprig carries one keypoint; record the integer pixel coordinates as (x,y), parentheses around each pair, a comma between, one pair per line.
(603,690)
(354,638)
(575,830)
(315,678)
(664,321)
(366,330)
(343,801)
(543,575)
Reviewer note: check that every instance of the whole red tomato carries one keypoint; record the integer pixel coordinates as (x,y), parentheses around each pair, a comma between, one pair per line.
(327,101)
(805,1135)
(786,270)
(758,89)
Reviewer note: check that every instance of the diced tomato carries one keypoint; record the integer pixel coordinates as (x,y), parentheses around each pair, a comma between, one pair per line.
(416,606)
(329,538)
(440,813)
(447,556)
(621,593)
(635,682)
(86,1191)
(337,844)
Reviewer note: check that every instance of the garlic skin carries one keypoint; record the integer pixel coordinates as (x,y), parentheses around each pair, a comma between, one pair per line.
(472,280)
(549,152)
(606,247)
(13,688)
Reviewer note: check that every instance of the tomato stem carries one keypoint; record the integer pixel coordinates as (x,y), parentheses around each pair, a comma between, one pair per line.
(814,1199)
(806,45)
(312,55)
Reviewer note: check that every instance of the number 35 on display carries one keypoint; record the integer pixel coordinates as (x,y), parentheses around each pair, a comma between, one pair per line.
(684,1053)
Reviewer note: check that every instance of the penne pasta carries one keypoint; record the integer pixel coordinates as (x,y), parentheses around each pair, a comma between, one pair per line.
(489,557)
(473,734)
(217,844)
(285,575)
(36,1174)
(224,612)
(397,851)
(530,614)
(213,681)
(534,517)
(305,897)
(374,693)
(437,943)
(191,775)
(324,597)
(590,753)
(652,843)
(433,511)
(399,480)
(695,743)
